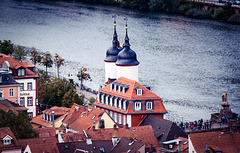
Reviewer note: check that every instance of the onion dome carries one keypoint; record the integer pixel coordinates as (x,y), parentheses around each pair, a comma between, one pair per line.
(126,56)
(112,52)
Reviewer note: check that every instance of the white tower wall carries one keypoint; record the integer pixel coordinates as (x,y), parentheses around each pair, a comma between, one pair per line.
(130,72)
(110,70)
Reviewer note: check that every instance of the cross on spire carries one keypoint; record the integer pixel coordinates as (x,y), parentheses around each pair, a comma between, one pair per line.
(115,17)
(126,19)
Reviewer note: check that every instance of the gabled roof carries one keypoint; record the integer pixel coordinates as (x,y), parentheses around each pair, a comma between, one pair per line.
(87,119)
(15,64)
(164,129)
(74,113)
(59,112)
(144,133)
(46,132)
(218,141)
(6,105)
(70,147)
(40,145)
(131,95)
(128,145)
(7,79)
(6,131)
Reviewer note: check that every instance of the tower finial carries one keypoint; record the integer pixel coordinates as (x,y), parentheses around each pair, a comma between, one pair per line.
(115,40)
(126,38)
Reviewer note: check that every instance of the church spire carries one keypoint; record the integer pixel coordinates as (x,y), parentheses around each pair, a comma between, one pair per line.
(115,40)
(126,43)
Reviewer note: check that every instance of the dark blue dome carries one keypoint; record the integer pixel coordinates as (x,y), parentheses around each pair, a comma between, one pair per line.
(112,52)
(126,56)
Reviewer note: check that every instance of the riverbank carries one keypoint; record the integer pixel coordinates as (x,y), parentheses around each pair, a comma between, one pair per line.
(191,9)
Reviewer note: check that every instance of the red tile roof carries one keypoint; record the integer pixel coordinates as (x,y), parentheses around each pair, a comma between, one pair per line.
(225,142)
(14,142)
(87,119)
(61,111)
(131,95)
(15,64)
(144,133)
(46,132)
(6,105)
(40,145)
(74,113)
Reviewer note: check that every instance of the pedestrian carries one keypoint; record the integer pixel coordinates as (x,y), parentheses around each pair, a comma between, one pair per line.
(220,122)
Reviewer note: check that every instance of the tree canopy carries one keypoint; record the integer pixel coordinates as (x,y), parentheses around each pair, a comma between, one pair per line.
(35,56)
(83,75)
(57,92)
(19,53)
(58,61)
(47,60)
(19,124)
(6,47)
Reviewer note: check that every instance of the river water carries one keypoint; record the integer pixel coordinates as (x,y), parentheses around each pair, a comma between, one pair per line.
(187,62)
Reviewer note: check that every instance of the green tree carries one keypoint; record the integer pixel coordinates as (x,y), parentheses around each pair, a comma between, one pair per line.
(58,61)
(19,124)
(6,47)
(83,75)
(47,60)
(19,53)
(35,56)
(91,101)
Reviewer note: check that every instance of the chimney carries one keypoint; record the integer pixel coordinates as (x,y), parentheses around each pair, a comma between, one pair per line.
(53,117)
(179,146)
(88,140)
(207,150)
(127,128)
(115,127)
(114,140)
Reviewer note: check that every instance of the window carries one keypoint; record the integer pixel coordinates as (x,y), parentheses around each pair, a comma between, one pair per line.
(115,102)
(137,106)
(30,101)
(102,99)
(22,101)
(21,86)
(149,105)
(115,117)
(29,86)
(1,93)
(111,101)
(7,141)
(139,92)
(124,120)
(101,149)
(111,114)
(30,114)
(21,72)
(119,118)
(125,105)
(11,92)
(120,104)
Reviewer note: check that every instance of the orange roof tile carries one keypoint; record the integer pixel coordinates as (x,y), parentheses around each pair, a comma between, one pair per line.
(144,133)
(131,95)
(74,113)
(46,132)
(40,145)
(14,143)
(57,110)
(87,119)
(15,64)
(217,140)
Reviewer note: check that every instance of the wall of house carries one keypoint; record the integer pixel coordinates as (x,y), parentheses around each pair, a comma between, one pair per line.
(108,122)
(6,93)
(142,149)
(27,149)
(58,122)
(136,119)
(25,93)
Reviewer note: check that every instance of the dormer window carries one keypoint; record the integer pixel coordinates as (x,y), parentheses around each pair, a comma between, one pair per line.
(43,116)
(98,99)
(7,140)
(119,89)
(115,87)
(149,105)
(138,106)
(102,99)
(21,72)
(139,92)
(120,104)
(123,90)
(111,101)
(106,101)
(115,102)
(125,105)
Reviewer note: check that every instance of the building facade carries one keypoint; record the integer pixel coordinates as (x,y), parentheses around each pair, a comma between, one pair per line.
(28,81)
